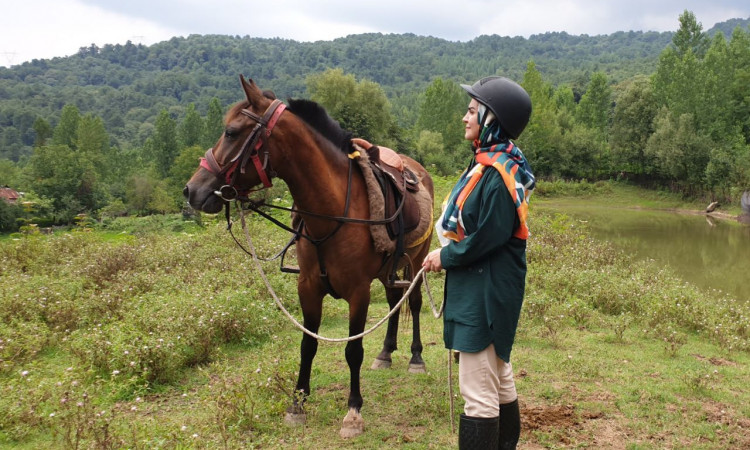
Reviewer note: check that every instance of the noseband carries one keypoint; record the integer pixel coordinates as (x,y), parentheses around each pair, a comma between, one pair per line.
(250,151)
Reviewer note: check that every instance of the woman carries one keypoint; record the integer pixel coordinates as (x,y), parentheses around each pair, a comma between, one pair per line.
(483,235)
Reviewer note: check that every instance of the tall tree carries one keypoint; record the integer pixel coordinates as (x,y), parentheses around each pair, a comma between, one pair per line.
(690,36)
(632,125)
(214,125)
(441,109)
(92,141)
(43,131)
(541,137)
(191,128)
(163,143)
(360,107)
(66,129)
(594,109)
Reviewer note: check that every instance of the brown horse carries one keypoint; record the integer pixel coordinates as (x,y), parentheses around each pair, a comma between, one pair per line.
(336,254)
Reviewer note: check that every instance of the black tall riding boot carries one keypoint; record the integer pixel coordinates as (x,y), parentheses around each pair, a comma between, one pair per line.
(477,433)
(510,426)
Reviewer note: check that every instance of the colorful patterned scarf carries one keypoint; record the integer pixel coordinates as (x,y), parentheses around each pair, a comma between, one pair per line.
(492,149)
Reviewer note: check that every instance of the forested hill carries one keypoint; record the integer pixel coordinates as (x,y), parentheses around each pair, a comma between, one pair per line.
(127,85)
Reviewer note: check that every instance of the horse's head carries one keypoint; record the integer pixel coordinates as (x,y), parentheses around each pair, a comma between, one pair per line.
(240,159)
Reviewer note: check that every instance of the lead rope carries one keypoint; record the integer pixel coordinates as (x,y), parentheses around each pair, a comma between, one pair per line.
(299,325)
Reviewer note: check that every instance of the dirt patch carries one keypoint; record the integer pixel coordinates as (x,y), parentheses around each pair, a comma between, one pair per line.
(572,427)
(546,417)
(736,425)
(716,361)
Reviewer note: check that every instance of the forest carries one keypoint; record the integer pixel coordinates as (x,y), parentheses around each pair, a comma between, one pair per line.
(117,130)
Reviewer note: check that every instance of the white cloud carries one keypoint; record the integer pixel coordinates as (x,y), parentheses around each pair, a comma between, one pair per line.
(48,28)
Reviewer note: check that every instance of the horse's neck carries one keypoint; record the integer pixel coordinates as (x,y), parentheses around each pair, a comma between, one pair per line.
(316,173)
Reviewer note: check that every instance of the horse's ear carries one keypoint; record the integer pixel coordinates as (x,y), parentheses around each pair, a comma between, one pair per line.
(250,88)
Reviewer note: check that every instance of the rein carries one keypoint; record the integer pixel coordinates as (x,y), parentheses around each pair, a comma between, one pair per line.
(421,274)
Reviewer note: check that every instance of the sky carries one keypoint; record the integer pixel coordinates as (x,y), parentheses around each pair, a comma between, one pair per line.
(42,29)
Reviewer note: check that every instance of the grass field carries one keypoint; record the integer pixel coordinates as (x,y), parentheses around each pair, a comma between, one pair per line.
(157,333)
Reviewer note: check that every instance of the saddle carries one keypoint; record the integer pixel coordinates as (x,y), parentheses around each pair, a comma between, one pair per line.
(397,183)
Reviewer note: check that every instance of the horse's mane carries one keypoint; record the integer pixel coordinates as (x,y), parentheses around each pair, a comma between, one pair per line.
(316,116)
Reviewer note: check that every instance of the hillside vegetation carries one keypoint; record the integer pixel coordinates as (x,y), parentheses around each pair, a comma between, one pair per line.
(117,130)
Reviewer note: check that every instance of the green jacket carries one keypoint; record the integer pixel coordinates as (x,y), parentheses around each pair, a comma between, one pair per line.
(485,272)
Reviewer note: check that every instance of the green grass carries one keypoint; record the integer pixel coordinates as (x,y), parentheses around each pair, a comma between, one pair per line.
(146,337)
(623,194)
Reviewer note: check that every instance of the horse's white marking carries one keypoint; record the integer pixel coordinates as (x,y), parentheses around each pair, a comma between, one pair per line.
(353,424)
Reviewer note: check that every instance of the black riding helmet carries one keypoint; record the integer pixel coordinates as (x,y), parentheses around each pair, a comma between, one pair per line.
(507,100)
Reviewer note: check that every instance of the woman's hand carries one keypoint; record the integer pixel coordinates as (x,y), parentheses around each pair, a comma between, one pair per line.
(432,262)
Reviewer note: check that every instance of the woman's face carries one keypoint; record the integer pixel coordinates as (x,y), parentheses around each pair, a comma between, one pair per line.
(471,121)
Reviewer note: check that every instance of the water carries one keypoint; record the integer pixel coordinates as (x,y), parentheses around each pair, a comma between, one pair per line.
(707,252)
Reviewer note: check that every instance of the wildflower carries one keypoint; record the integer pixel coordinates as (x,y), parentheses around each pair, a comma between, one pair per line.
(184,428)
(24,373)
(115,372)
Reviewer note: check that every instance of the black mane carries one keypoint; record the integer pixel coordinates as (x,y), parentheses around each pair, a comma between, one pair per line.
(316,116)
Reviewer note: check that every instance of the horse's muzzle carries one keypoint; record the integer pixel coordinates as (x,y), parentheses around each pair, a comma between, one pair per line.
(203,199)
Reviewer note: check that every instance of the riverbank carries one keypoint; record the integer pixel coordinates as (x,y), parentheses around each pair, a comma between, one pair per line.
(625,195)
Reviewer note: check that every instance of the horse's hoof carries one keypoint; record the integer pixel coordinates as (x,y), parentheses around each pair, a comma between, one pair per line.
(353,425)
(294,419)
(295,415)
(417,368)
(380,364)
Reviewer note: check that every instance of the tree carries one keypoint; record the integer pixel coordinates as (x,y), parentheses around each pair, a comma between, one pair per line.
(9,174)
(681,153)
(68,178)
(434,157)
(541,138)
(632,125)
(43,131)
(690,36)
(186,164)
(440,110)
(92,141)
(595,105)
(191,128)
(214,125)
(66,129)
(163,143)
(360,107)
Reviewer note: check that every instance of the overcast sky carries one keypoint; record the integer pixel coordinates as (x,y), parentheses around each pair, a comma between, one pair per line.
(48,28)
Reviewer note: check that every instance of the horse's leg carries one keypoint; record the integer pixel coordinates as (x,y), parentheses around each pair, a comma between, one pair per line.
(416,364)
(390,345)
(353,424)
(312,308)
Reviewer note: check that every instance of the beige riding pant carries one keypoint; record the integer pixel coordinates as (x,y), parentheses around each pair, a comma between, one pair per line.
(486,382)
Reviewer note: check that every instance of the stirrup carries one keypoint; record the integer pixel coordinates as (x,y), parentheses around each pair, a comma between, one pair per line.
(290,269)
(400,284)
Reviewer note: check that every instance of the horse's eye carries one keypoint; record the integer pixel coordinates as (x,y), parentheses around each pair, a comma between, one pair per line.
(230,132)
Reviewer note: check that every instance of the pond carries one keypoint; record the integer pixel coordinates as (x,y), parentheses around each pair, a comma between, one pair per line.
(707,252)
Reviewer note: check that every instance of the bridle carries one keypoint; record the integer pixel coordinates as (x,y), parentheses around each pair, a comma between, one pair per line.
(251,150)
